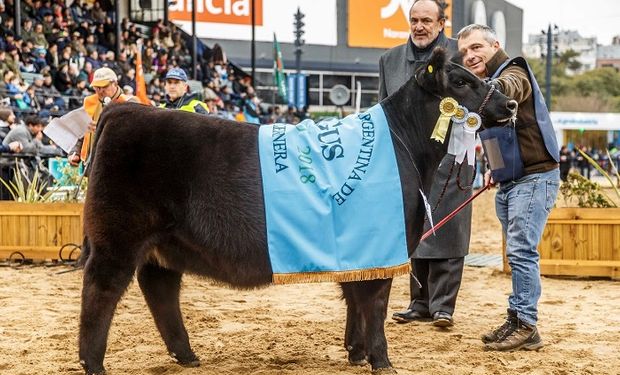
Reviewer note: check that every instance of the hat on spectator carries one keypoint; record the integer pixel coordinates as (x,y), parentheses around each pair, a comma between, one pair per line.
(177,73)
(103,77)
(210,94)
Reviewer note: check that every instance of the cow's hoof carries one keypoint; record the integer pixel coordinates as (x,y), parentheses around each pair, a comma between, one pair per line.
(189,361)
(357,357)
(358,362)
(90,371)
(384,371)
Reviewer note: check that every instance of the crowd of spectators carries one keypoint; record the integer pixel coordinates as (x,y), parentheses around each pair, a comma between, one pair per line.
(46,69)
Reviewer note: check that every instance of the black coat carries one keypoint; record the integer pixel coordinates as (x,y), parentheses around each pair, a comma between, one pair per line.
(396,66)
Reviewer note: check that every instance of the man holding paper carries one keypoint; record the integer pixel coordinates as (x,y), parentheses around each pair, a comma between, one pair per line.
(105,83)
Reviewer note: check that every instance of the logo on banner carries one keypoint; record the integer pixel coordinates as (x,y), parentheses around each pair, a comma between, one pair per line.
(383,23)
(390,9)
(217,11)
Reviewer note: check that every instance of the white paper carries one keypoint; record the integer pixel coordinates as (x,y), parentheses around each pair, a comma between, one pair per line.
(66,130)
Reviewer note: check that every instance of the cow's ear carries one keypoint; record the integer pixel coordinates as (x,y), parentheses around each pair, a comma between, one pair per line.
(431,76)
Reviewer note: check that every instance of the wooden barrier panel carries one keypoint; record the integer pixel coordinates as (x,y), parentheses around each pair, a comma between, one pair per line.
(39,230)
(580,242)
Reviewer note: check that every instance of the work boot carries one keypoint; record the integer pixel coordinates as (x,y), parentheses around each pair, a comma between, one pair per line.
(524,336)
(500,332)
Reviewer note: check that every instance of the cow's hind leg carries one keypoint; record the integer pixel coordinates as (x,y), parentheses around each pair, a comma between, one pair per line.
(105,280)
(365,335)
(161,287)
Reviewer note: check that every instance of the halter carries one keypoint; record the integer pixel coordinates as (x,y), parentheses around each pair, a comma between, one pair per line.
(486,99)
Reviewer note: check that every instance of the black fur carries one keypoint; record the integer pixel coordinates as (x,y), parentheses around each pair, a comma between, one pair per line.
(173,192)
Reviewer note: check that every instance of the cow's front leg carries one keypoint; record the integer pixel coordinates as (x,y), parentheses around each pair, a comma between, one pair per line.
(161,288)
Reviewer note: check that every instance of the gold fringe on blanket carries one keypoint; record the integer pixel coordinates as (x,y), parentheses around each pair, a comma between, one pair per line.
(341,276)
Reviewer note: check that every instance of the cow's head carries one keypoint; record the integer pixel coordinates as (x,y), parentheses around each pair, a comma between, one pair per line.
(447,78)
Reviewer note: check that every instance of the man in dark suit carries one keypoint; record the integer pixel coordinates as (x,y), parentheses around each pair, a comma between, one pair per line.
(437,262)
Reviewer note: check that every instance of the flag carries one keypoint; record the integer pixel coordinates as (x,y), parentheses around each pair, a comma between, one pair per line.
(278,69)
(140,82)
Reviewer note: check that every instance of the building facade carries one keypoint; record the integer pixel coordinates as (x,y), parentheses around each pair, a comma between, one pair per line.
(343,38)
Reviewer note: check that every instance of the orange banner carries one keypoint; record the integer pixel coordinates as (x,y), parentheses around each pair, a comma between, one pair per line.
(383,23)
(219,11)
(140,82)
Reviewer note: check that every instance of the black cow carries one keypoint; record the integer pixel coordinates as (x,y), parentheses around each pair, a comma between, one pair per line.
(172,192)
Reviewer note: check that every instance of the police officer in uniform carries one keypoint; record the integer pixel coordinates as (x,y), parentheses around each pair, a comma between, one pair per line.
(177,96)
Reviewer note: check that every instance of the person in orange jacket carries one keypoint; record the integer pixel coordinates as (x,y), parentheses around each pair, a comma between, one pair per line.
(105,83)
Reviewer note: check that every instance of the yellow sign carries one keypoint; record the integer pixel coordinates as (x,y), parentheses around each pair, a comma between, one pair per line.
(383,23)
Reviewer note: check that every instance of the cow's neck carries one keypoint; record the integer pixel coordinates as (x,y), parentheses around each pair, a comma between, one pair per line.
(411,113)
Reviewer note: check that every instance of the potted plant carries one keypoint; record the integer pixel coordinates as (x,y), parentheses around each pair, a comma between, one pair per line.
(39,220)
(582,240)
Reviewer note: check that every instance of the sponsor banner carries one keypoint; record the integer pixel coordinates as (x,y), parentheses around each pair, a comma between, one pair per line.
(296,94)
(232,19)
(383,23)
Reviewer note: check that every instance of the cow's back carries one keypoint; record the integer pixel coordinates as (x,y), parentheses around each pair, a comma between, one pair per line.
(184,184)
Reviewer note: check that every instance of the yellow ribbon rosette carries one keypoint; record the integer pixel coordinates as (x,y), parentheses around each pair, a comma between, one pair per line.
(448,107)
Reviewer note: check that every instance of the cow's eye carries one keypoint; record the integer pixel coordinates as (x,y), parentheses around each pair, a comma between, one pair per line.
(460,83)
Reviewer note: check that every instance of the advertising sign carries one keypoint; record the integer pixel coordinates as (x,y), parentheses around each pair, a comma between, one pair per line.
(232,19)
(296,95)
(383,23)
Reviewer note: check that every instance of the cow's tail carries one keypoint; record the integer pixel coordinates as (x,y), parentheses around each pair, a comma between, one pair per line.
(84,253)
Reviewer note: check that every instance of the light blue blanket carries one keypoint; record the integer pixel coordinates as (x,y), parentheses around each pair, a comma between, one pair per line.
(333,200)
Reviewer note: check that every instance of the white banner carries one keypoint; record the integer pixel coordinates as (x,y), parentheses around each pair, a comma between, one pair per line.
(231,19)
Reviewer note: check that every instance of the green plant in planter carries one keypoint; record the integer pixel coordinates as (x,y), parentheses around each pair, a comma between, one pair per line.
(587,193)
(25,189)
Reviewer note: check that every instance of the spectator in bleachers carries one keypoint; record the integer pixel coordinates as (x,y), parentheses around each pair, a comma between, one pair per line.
(39,38)
(30,96)
(7,121)
(12,60)
(27,29)
(97,13)
(49,91)
(79,91)
(29,135)
(93,58)
(56,36)
(62,80)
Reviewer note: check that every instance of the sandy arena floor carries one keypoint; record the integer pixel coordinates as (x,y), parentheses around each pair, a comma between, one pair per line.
(298,329)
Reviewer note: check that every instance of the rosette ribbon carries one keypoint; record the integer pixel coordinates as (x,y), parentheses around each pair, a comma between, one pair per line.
(447,108)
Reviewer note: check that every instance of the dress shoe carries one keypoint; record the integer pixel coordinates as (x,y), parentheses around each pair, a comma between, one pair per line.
(410,315)
(442,319)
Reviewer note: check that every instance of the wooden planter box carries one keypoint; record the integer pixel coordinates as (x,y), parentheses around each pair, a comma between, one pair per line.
(580,242)
(39,230)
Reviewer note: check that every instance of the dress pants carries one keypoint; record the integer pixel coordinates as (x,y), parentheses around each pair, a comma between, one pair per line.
(441,280)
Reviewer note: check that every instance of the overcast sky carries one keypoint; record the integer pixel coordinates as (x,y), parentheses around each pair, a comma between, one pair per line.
(600,18)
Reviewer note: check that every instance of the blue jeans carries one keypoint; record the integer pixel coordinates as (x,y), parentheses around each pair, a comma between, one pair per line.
(522,208)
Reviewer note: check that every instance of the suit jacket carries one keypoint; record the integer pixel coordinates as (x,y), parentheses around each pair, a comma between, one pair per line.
(396,66)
